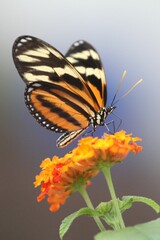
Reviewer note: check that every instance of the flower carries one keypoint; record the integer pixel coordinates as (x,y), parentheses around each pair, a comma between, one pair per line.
(62,176)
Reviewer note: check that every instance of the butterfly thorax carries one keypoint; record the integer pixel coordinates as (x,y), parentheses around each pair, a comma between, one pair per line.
(100,116)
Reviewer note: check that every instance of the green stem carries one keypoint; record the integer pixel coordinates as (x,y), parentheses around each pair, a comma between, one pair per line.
(89,204)
(107,174)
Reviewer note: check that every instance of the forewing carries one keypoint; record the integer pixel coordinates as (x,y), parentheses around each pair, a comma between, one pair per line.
(37,61)
(86,60)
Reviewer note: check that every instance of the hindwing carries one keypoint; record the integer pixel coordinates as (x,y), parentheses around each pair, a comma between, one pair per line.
(56,108)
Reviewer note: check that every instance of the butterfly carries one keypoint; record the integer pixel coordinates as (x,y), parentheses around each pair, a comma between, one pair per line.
(65,94)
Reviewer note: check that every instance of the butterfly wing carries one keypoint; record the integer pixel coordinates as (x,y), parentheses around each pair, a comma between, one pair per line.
(68,137)
(56,94)
(86,60)
(36,61)
(57,108)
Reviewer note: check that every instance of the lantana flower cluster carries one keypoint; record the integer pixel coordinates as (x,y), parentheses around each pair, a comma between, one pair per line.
(60,177)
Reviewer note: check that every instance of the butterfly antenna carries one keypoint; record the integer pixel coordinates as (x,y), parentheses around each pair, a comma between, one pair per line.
(124,95)
(119,85)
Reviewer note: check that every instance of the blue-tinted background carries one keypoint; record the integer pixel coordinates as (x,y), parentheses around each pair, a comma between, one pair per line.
(127,36)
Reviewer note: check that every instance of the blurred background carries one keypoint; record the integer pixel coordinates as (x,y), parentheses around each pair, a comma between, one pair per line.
(127,36)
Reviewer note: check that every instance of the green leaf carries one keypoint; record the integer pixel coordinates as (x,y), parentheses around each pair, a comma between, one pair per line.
(145,231)
(66,223)
(127,202)
(106,212)
(106,209)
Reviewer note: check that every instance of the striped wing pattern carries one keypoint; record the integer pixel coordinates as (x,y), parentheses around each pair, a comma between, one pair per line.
(58,94)
(86,60)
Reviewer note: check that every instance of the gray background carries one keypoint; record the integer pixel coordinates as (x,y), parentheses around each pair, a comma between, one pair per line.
(127,36)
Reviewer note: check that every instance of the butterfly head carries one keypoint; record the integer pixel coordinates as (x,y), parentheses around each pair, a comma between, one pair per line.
(99,118)
(105,111)
(110,109)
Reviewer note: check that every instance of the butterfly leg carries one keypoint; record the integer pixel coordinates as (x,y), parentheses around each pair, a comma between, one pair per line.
(93,130)
(90,132)
(113,126)
(115,129)
(120,122)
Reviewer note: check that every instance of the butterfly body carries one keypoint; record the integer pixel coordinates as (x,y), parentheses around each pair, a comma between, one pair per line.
(65,94)
(100,117)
